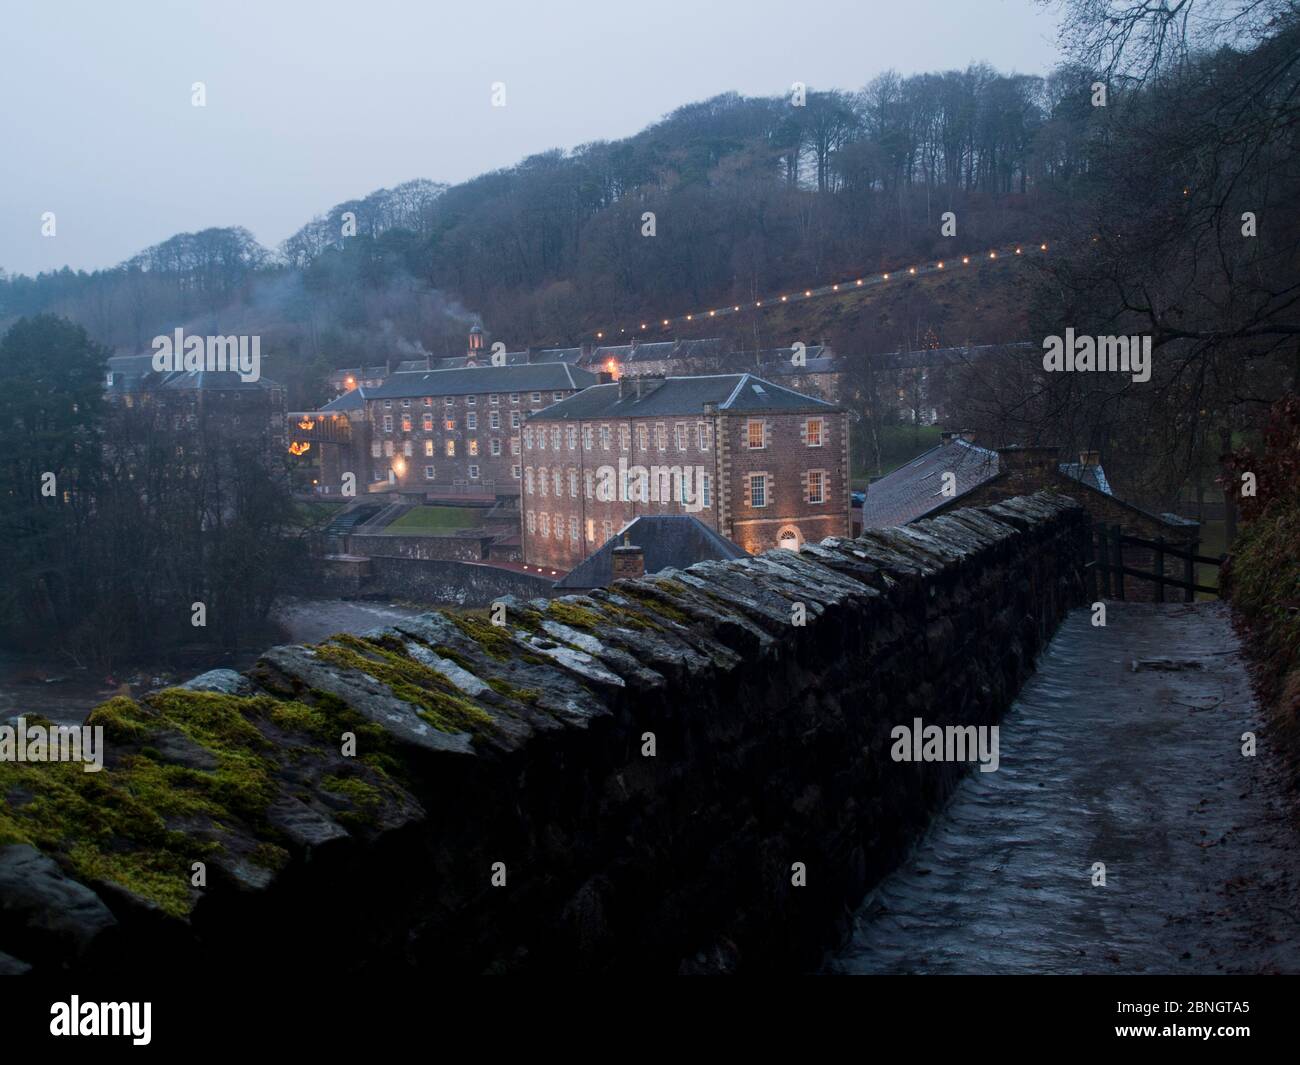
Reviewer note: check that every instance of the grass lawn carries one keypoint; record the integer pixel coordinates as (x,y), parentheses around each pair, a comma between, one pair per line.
(433,521)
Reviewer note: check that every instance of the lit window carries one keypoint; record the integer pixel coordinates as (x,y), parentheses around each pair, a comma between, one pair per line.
(426,423)
(428,448)
(591,530)
(451,449)
(473,447)
(449,424)
(754,435)
(758,490)
(816,486)
(815,432)
(406,423)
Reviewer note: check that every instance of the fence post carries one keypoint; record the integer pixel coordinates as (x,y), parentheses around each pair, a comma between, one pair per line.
(1117,549)
(1160,569)
(1189,574)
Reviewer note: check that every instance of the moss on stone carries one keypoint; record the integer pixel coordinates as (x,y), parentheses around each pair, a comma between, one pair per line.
(655,604)
(269,856)
(439,701)
(522,695)
(122,719)
(494,639)
(575,616)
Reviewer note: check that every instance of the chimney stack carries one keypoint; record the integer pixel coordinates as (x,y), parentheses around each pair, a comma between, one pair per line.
(1027,468)
(628,560)
(648,383)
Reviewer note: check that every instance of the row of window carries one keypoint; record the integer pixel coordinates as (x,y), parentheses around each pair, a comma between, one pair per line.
(430,472)
(757,436)
(449,424)
(816,487)
(472,401)
(548,525)
(495,448)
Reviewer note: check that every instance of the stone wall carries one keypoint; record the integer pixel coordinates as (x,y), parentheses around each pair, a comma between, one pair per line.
(522,753)
(464,547)
(465,584)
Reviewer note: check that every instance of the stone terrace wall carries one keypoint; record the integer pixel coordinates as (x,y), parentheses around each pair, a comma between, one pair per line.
(480,745)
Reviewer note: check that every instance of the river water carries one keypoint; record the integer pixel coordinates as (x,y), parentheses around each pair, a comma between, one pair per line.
(32,684)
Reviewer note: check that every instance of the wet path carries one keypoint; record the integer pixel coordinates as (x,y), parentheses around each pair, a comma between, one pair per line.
(1141,770)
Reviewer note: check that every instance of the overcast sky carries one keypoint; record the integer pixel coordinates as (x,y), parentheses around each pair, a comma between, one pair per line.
(311,102)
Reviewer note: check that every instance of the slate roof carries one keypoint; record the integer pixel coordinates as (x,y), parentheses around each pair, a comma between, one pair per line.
(135,373)
(538,377)
(668,541)
(354,399)
(680,395)
(914,490)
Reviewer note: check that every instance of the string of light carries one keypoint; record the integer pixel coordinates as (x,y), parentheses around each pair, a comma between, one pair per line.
(836,288)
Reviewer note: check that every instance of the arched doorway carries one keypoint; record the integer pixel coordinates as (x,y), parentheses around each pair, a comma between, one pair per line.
(789,538)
